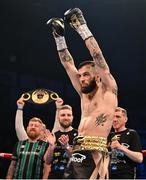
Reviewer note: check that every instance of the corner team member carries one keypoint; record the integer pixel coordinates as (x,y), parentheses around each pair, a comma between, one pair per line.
(19,126)
(29,155)
(22,134)
(63,122)
(126,148)
(98,92)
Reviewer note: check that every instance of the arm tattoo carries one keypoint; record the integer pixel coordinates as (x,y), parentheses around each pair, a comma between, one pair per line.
(115,91)
(100,120)
(65,56)
(99,60)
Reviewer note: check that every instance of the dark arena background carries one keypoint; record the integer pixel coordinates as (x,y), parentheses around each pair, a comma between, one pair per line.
(29,60)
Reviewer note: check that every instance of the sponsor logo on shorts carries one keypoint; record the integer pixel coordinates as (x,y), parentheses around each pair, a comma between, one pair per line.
(77,157)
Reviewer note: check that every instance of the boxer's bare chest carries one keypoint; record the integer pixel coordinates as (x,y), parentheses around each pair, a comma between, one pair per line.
(92,104)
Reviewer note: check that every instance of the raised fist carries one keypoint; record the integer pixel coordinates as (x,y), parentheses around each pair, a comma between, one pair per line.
(59,102)
(20,103)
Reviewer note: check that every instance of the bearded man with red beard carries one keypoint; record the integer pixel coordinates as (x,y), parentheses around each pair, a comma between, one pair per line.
(29,155)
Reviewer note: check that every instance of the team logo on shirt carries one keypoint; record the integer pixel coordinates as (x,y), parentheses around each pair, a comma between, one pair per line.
(77,157)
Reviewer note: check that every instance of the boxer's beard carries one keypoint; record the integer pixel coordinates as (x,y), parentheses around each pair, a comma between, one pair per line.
(90,87)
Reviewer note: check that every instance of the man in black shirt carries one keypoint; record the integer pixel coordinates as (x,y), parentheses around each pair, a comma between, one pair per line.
(125,148)
(64,117)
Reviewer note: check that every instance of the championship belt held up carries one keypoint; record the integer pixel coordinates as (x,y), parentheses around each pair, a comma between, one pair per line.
(40,96)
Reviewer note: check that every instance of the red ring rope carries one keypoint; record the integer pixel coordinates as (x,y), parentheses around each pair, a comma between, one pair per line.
(9,155)
(6,155)
(144,153)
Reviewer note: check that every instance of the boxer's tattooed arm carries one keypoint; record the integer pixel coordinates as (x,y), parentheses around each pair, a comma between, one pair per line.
(99,60)
(65,56)
(100,120)
(114,89)
(96,53)
(103,69)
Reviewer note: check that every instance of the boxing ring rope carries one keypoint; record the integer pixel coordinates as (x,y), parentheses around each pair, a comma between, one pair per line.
(9,155)
(6,155)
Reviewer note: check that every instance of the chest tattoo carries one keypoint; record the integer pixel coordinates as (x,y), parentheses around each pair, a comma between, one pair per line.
(100,119)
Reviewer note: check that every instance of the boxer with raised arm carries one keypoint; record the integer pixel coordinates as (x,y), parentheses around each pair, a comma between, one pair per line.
(98,92)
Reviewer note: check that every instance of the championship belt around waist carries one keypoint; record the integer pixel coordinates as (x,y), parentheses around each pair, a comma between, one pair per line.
(90,143)
(40,96)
